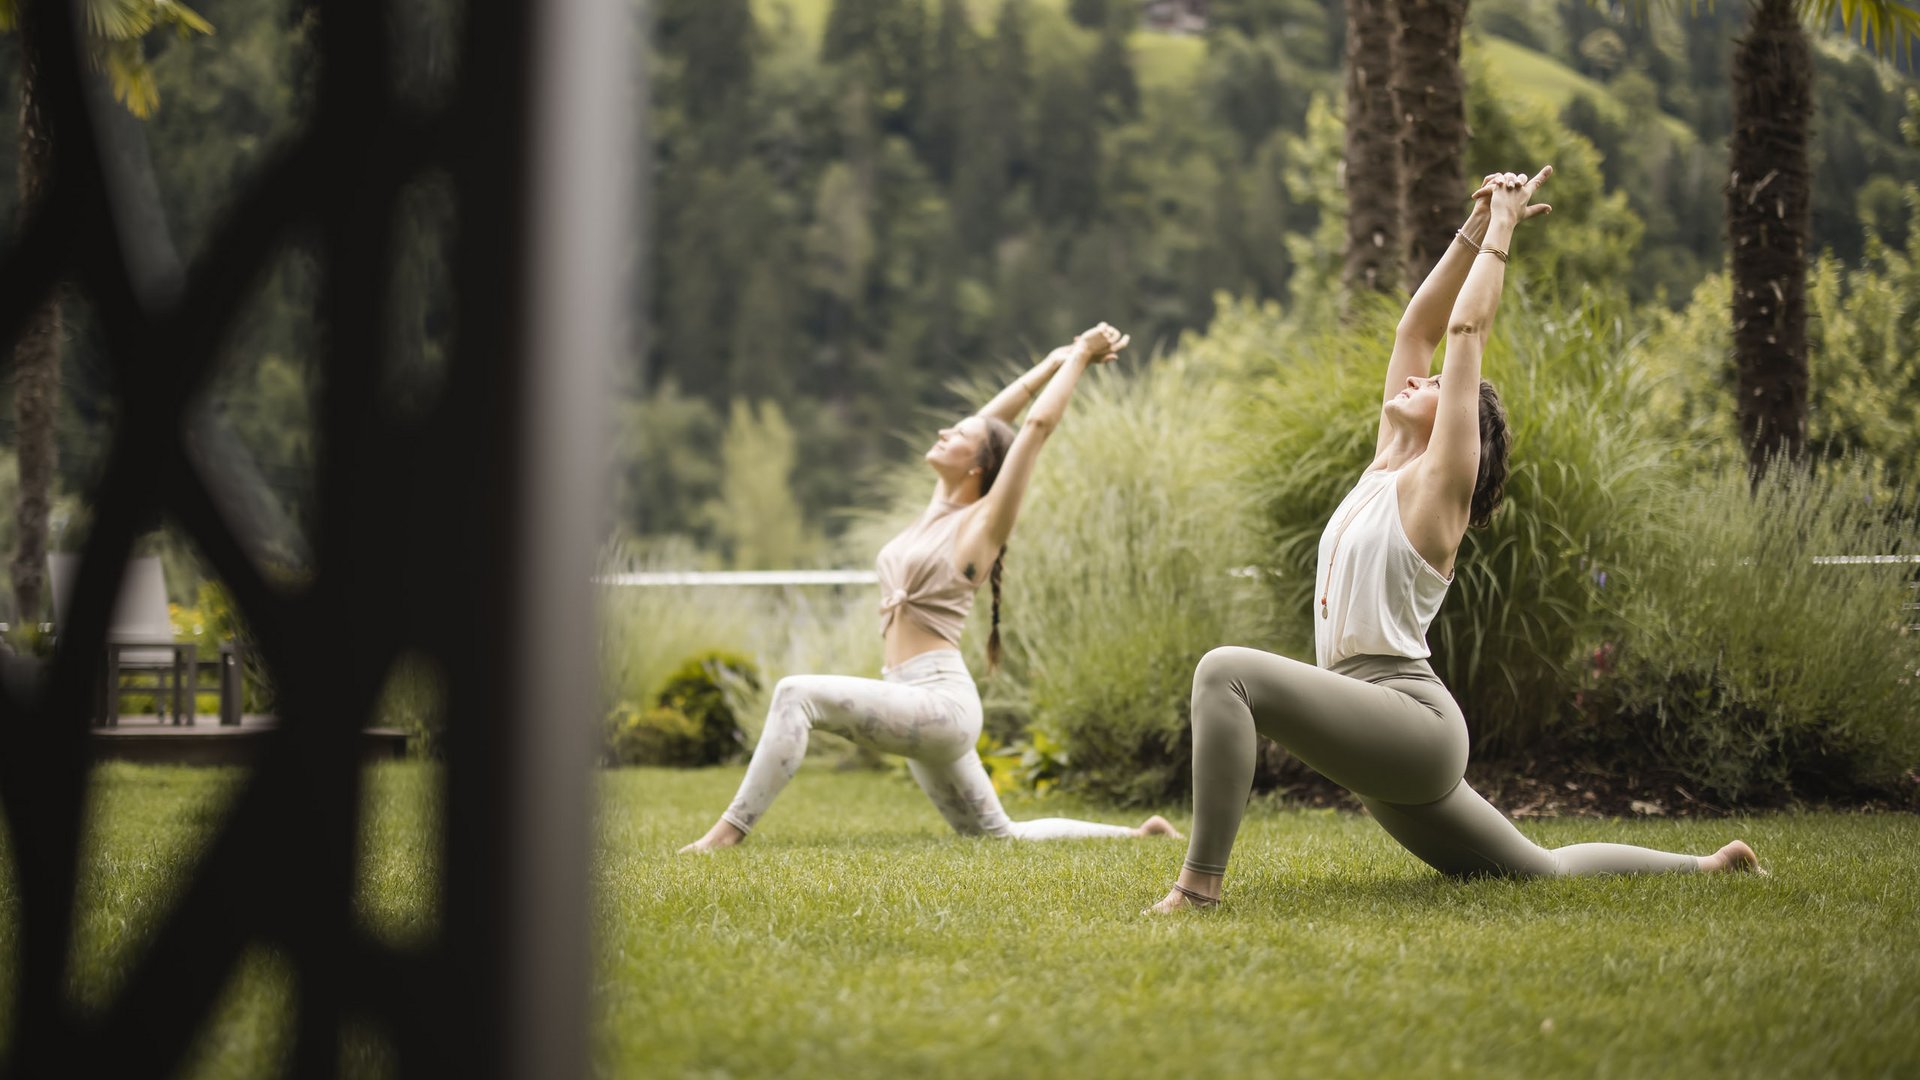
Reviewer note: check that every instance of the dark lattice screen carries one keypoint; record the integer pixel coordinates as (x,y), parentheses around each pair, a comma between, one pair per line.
(480,559)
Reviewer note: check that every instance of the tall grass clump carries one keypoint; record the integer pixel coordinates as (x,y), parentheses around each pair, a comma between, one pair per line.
(1118,576)
(1587,478)
(1750,668)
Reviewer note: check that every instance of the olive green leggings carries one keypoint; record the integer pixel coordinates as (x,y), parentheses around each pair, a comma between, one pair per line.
(1384,728)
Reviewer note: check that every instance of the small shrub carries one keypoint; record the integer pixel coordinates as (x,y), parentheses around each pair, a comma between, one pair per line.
(1035,764)
(660,735)
(701,690)
(1749,669)
(211,621)
(692,722)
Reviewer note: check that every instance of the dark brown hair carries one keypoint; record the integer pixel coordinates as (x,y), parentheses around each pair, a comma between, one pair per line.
(1490,486)
(993,454)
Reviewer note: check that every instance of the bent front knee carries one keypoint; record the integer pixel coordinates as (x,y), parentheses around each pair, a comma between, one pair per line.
(790,702)
(1224,671)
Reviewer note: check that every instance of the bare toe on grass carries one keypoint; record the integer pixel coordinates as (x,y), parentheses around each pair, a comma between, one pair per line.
(1157,826)
(1739,858)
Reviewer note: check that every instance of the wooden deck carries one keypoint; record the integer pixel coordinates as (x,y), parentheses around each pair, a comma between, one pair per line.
(154,741)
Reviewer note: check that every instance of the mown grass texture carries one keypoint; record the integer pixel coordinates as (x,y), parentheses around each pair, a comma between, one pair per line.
(855,936)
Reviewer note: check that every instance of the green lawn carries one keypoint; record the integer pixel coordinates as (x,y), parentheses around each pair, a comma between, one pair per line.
(855,936)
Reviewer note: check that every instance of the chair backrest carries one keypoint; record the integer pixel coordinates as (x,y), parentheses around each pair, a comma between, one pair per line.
(140,613)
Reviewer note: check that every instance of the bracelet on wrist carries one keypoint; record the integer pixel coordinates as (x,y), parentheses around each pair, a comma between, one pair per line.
(1489,249)
(1460,237)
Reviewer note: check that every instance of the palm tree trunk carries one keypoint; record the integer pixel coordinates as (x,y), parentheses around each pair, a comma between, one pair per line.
(1768,227)
(36,364)
(1430,92)
(1372,165)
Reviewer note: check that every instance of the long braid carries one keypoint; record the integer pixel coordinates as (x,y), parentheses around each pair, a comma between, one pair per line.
(993,453)
(993,639)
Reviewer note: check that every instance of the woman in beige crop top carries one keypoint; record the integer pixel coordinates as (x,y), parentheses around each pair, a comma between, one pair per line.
(1372,716)
(925,706)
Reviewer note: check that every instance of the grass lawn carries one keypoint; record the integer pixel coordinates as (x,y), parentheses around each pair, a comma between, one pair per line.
(855,936)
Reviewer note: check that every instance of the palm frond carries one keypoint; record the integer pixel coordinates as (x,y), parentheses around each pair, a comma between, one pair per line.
(1885,26)
(183,18)
(128,73)
(119,20)
(131,20)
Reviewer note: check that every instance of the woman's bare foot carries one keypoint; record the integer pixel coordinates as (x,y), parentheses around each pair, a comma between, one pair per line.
(1157,826)
(1736,856)
(724,834)
(1206,886)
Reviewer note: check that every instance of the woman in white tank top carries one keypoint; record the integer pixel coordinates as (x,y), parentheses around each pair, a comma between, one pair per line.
(1370,714)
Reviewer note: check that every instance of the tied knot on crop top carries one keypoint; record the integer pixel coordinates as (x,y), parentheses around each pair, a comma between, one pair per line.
(1380,593)
(918,578)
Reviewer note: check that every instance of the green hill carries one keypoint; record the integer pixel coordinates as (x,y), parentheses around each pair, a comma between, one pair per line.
(1539,77)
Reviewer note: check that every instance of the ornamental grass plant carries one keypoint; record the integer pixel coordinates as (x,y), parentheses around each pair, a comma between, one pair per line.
(1766,645)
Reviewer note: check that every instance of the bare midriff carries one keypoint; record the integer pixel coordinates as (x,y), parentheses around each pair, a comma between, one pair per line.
(906,639)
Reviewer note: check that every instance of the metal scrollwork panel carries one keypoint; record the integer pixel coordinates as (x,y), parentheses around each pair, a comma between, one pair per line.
(465,516)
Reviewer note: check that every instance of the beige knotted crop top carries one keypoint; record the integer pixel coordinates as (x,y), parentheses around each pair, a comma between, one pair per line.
(918,578)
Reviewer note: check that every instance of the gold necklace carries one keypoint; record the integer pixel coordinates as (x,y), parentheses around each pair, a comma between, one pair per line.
(1341,535)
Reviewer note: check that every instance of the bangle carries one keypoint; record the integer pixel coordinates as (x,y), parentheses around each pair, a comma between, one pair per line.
(1460,237)
(1490,250)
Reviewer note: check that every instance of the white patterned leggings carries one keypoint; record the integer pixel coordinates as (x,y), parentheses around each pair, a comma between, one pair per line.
(928,711)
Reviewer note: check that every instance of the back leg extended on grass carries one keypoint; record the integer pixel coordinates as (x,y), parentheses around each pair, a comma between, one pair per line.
(931,716)
(1389,732)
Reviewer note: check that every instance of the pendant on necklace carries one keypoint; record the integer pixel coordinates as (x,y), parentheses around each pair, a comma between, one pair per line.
(1323,609)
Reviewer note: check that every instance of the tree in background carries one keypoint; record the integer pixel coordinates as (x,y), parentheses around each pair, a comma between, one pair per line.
(884,44)
(1769,195)
(755,517)
(115,31)
(1768,227)
(1372,153)
(1430,91)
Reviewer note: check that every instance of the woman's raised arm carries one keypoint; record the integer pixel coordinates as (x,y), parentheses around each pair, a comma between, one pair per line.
(1425,321)
(1007,403)
(1453,452)
(1001,506)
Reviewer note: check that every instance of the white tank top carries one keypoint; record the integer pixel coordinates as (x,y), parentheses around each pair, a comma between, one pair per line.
(1374,594)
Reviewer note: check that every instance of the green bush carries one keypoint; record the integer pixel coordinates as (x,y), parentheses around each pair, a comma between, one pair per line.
(1586,480)
(692,722)
(212,620)
(1748,668)
(654,736)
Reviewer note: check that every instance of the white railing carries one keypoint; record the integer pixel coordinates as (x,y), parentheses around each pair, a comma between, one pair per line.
(1865,560)
(676,578)
(659,578)
(682,578)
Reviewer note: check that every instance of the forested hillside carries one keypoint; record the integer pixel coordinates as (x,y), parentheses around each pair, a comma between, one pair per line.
(857,201)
